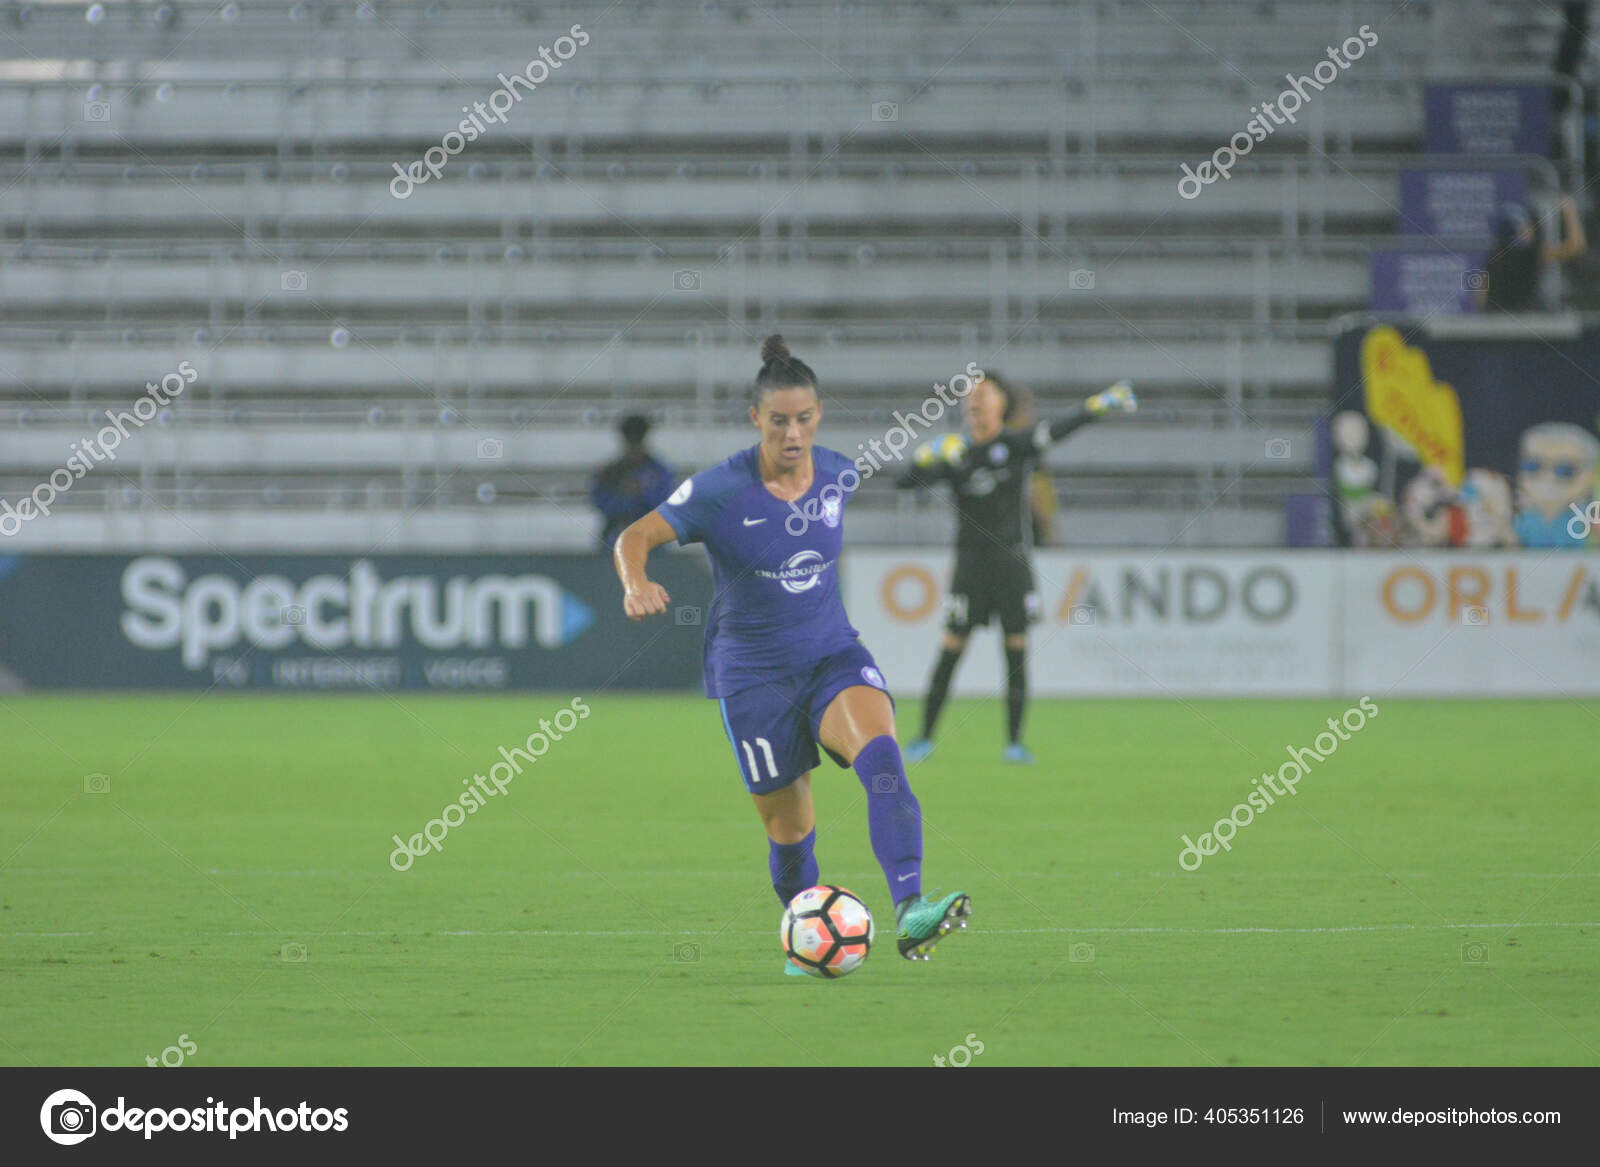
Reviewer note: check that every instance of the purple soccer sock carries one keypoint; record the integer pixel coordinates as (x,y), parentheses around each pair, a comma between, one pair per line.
(793,866)
(894,817)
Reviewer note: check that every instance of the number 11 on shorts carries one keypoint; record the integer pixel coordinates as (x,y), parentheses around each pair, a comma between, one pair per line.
(766,751)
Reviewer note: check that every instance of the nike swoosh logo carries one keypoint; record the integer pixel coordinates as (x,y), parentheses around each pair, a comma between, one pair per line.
(753,522)
(903,878)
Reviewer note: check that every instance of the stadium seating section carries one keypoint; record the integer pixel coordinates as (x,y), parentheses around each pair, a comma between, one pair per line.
(900,188)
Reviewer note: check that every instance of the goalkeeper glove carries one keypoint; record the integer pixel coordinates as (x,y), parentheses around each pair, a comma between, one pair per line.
(1119,397)
(947,449)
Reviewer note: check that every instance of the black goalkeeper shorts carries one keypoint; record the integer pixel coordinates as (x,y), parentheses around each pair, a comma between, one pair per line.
(986,585)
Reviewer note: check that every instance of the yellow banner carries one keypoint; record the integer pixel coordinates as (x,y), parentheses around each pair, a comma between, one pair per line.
(1402,395)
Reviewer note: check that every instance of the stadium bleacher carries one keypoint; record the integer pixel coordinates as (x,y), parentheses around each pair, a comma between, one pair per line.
(908,188)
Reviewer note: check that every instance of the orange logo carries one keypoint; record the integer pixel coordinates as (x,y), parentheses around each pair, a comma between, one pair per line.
(910,593)
(1470,594)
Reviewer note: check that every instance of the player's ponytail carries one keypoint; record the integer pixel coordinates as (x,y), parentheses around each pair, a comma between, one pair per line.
(780,370)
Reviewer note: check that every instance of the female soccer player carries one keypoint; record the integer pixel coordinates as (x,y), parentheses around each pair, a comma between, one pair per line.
(993,576)
(780,654)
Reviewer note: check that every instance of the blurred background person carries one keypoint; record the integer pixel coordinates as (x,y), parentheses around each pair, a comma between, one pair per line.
(1520,255)
(629,488)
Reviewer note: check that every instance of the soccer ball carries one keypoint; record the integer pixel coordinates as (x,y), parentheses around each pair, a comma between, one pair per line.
(826,930)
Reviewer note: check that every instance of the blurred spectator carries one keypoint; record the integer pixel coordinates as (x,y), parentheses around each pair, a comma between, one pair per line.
(1044,504)
(1572,50)
(1520,254)
(632,486)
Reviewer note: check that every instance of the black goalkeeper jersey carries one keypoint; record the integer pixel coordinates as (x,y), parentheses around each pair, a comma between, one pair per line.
(991,481)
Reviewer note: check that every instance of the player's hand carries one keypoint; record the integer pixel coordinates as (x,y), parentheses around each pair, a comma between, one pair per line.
(947,449)
(1118,398)
(951,448)
(650,600)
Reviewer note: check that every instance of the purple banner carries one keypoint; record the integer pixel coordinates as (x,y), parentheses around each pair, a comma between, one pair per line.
(1427,283)
(1488,119)
(1457,203)
(1529,409)
(1308,520)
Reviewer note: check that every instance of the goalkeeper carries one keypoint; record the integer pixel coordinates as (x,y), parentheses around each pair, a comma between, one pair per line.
(990,471)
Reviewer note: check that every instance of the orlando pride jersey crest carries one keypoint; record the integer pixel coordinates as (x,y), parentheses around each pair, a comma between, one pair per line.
(777,604)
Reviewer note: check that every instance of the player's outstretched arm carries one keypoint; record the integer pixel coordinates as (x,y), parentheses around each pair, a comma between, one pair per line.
(1119,398)
(640,596)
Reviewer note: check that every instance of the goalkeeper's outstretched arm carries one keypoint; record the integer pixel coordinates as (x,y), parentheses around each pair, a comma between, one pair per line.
(1119,398)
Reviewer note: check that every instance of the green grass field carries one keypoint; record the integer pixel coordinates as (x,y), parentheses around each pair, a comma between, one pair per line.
(613,906)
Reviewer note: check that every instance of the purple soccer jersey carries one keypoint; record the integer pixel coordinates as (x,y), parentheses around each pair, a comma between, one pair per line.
(777,605)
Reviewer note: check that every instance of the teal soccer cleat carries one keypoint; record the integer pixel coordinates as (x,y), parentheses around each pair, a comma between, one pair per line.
(1019,753)
(791,969)
(926,922)
(918,750)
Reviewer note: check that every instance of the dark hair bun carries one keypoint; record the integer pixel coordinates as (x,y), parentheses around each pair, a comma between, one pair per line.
(773,349)
(780,370)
